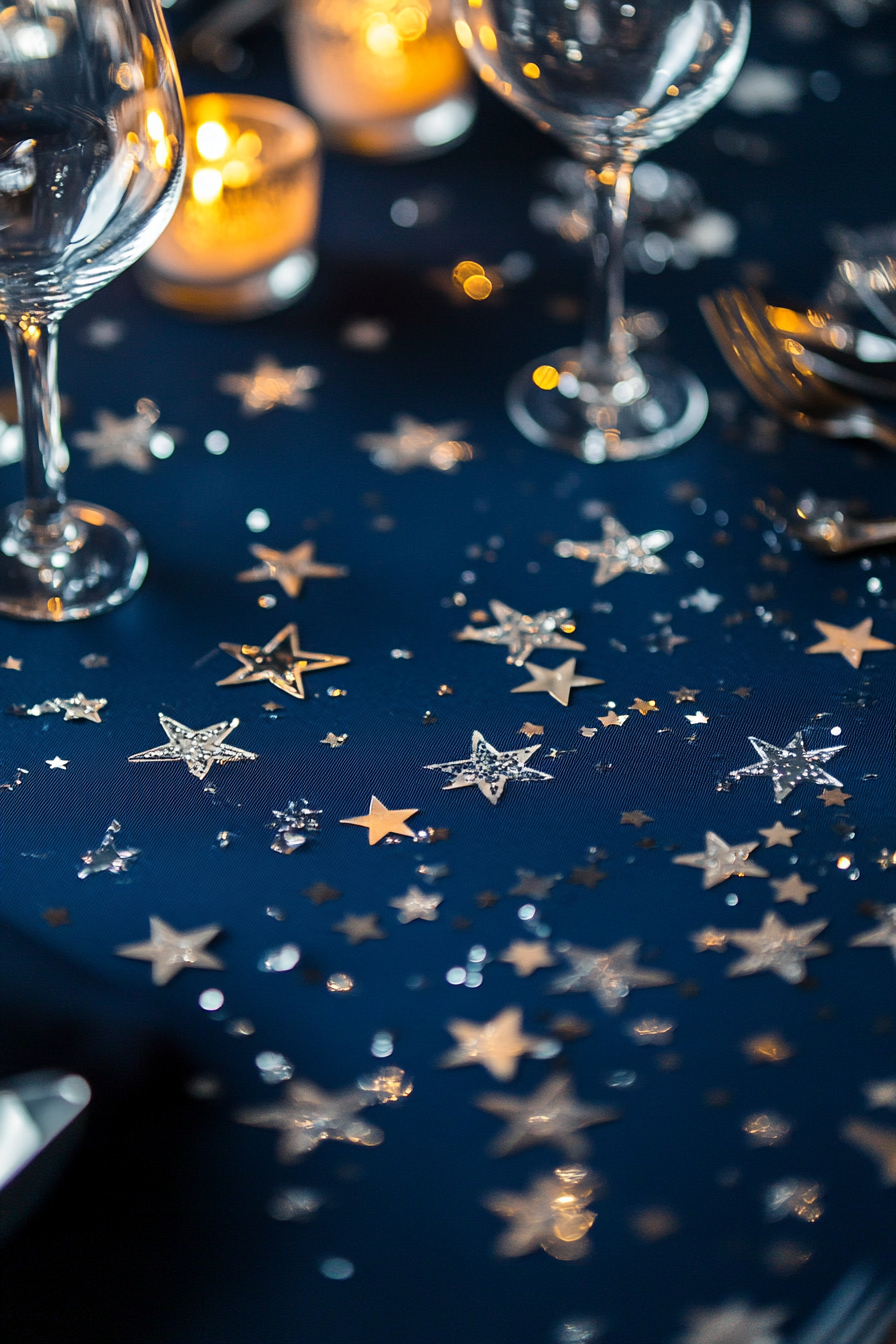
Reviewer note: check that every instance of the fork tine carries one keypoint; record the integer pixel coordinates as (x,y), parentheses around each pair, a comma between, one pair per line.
(811,384)
(780,373)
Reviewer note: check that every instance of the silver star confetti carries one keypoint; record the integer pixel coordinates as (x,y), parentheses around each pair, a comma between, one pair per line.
(701,600)
(127,442)
(270,385)
(171,951)
(290,569)
(557,682)
(885,933)
(553,1214)
(417,904)
(523,634)
(609,975)
(795,1197)
(413,443)
(618,551)
(719,860)
(789,766)
(779,947)
(306,1115)
(199,748)
(293,826)
(490,769)
(107,858)
(552,1114)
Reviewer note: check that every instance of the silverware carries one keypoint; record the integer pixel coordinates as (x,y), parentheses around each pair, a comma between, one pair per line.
(819,329)
(827,526)
(874,280)
(757,355)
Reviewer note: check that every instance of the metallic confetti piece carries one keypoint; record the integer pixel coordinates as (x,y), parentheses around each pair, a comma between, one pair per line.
(526,956)
(609,975)
(359,928)
(413,443)
(734,1322)
(293,826)
(489,769)
(12,664)
(521,634)
(306,1115)
(289,568)
(557,682)
(851,643)
(294,1205)
(133,443)
(380,821)
(497,1045)
(768,1047)
(552,1213)
(57,763)
(877,1142)
(198,748)
(280,959)
(701,600)
(778,834)
(636,818)
(789,766)
(651,1030)
(273,1067)
(794,1197)
(171,951)
(882,936)
(108,858)
(663,640)
(417,904)
(766,1129)
(684,694)
(270,385)
(282,662)
(778,947)
(618,551)
(792,888)
(721,861)
(334,739)
(529,884)
(552,1114)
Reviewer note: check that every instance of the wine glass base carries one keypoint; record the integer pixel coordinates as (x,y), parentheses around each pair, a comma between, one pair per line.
(592,423)
(88,562)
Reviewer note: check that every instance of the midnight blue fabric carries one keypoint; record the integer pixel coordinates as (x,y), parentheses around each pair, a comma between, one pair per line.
(159,1233)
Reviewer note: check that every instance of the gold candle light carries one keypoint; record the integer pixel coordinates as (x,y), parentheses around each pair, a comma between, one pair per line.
(241,240)
(382,77)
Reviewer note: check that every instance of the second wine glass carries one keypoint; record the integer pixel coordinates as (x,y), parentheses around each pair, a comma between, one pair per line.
(611,80)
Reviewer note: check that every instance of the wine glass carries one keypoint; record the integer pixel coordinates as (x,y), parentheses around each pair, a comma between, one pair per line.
(91,166)
(610,80)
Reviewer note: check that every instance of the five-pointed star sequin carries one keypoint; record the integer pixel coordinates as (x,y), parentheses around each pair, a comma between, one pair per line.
(788,766)
(611,719)
(497,1045)
(709,939)
(319,892)
(360,928)
(107,858)
(121,441)
(699,717)
(644,706)
(522,634)
(57,763)
(12,664)
(334,739)
(381,821)
(701,600)
(636,818)
(531,885)
(79,707)
(526,955)
(56,916)
(618,551)
(552,1213)
(413,443)
(779,947)
(733,1323)
(282,662)
(851,643)
(664,640)
(834,797)
(289,568)
(779,834)
(270,385)
(877,1142)
(608,975)
(489,769)
(417,904)
(880,1092)
(719,860)
(792,888)
(552,1114)
(882,936)
(558,682)
(587,876)
(171,951)
(684,694)
(531,730)
(199,748)
(306,1115)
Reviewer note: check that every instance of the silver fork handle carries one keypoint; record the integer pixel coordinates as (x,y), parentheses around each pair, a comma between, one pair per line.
(836,537)
(836,373)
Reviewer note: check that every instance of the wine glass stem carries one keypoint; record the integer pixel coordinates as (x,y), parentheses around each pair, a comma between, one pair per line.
(34,347)
(606,347)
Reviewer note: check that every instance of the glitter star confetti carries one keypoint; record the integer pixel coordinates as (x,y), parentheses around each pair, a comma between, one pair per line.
(779,834)
(709,939)
(531,885)
(834,797)
(618,551)
(12,664)
(684,695)
(417,904)
(769,1047)
(360,929)
(557,682)
(636,818)
(734,1322)
(851,643)
(171,951)
(526,955)
(128,443)
(522,634)
(270,385)
(199,748)
(380,821)
(644,706)
(334,739)
(552,1213)
(610,720)
(531,730)
(293,826)
(74,707)
(289,568)
(282,662)
(57,763)
(609,975)
(877,1142)
(497,1045)
(413,443)
(882,936)
(108,858)
(766,1129)
(306,1115)
(789,766)
(490,769)
(719,860)
(699,717)
(552,1114)
(792,888)
(778,947)
(701,600)
(793,1197)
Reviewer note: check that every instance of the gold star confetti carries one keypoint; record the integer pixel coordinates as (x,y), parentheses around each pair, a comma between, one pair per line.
(636,818)
(684,694)
(851,643)
(536,888)
(778,947)
(618,551)
(788,766)
(531,730)
(792,888)
(611,720)
(12,664)
(769,1047)
(886,859)
(282,662)
(779,834)
(171,951)
(489,769)
(699,717)
(56,916)
(270,385)
(381,821)
(128,443)
(644,706)
(359,928)
(497,1045)
(199,748)
(587,732)
(334,739)
(558,682)
(882,936)
(586,876)
(834,797)
(719,860)
(881,1092)
(271,706)
(108,858)
(875,1141)
(79,707)
(57,763)
(417,904)
(320,892)
(553,1214)
(527,955)
(289,568)
(552,1114)
(522,634)
(709,939)
(413,443)
(608,975)
(306,1115)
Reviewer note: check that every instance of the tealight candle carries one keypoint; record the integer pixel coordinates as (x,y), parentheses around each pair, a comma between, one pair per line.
(382,77)
(241,240)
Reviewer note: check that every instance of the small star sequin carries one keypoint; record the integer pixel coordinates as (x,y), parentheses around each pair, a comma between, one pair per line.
(490,769)
(320,892)
(768,1047)
(57,763)
(779,834)
(733,1323)
(834,797)
(886,859)
(270,385)
(413,443)
(497,1045)
(699,717)
(282,662)
(788,766)
(720,860)
(618,551)
(334,739)
(709,939)
(553,1214)
(536,888)
(877,1142)
(360,928)
(684,695)
(792,888)
(293,826)
(552,1114)
(644,706)
(635,818)
(587,876)
(778,947)
(609,975)
(108,858)
(882,936)
(531,730)
(527,955)
(380,821)
(306,1115)
(557,682)
(486,899)
(12,664)
(664,640)
(198,748)
(880,1092)
(521,634)
(289,568)
(851,643)
(610,720)
(417,904)
(701,600)
(56,916)
(171,951)
(744,692)
(125,442)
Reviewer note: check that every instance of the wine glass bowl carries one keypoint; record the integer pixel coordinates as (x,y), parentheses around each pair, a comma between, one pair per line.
(91,166)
